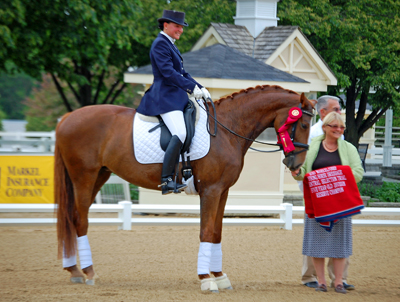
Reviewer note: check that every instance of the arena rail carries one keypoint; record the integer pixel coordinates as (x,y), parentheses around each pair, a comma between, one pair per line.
(126,208)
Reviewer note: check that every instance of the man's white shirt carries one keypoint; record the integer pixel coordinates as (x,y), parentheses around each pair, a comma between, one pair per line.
(316,130)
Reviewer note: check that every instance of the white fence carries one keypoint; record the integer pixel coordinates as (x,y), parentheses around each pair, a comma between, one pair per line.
(380,136)
(116,180)
(33,141)
(375,155)
(126,208)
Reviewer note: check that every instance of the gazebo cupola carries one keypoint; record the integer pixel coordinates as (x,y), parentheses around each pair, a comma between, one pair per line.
(256,15)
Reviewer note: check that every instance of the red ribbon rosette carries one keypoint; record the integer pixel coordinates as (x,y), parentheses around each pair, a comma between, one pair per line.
(283,136)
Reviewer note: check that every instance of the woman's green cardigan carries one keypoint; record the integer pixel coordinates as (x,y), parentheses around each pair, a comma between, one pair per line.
(348,155)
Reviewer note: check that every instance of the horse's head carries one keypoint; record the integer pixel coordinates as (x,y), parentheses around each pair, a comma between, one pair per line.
(293,126)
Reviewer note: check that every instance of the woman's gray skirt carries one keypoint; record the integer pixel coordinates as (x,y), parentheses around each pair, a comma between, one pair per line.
(319,243)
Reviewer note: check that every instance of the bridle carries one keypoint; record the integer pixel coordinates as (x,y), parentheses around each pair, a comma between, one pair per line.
(279,143)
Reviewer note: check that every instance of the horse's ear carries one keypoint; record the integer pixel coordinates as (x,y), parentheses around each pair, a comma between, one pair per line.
(304,101)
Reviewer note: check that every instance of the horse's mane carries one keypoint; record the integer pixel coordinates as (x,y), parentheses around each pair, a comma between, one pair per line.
(254,89)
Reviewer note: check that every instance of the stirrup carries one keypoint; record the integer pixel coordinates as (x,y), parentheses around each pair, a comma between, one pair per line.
(170,186)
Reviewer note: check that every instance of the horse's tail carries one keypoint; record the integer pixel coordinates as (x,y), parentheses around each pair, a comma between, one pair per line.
(64,198)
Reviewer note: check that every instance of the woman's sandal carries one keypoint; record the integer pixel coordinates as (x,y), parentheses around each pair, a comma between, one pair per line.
(340,289)
(321,288)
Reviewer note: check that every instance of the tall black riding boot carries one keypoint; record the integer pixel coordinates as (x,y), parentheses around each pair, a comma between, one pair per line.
(168,184)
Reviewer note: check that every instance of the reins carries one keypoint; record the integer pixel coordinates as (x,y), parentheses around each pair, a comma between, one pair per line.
(249,139)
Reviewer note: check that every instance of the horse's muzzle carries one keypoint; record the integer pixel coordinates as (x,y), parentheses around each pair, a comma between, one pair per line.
(289,161)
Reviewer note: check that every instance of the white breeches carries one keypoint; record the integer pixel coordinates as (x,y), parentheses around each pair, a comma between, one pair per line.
(209,258)
(175,123)
(85,254)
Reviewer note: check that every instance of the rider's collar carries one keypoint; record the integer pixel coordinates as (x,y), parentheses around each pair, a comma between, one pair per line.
(169,38)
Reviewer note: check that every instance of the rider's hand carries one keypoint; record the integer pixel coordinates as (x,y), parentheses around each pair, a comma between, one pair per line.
(197,93)
(206,94)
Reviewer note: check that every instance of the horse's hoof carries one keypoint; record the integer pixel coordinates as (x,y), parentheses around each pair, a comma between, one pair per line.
(223,282)
(209,285)
(77,280)
(90,282)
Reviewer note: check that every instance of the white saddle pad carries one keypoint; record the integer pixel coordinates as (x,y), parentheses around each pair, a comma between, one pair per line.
(147,147)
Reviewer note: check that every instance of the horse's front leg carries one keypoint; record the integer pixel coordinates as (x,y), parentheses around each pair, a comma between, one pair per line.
(210,253)
(216,251)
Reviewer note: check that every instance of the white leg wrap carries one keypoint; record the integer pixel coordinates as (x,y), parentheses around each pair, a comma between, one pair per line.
(203,260)
(216,258)
(68,262)
(85,254)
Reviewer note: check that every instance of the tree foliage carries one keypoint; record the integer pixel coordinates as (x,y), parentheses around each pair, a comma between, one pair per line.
(199,15)
(360,41)
(13,90)
(45,107)
(76,41)
(79,41)
(2,117)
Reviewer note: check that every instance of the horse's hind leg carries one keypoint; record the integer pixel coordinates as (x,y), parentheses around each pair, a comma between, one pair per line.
(85,189)
(69,265)
(83,247)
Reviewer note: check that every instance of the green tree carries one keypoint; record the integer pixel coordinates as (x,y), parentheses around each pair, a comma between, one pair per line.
(13,90)
(199,15)
(79,41)
(2,117)
(76,41)
(360,41)
(45,106)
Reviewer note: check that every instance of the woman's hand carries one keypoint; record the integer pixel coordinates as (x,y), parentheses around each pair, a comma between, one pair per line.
(295,172)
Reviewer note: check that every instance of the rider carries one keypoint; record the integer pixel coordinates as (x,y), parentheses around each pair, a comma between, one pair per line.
(168,95)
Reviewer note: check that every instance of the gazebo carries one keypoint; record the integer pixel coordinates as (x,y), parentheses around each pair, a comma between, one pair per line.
(253,51)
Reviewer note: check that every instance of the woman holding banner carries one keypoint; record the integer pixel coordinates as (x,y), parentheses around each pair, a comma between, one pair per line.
(325,151)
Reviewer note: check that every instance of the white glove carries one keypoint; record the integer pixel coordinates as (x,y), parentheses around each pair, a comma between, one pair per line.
(206,94)
(197,93)
(192,98)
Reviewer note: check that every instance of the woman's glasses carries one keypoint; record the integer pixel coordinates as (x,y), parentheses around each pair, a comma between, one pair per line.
(336,127)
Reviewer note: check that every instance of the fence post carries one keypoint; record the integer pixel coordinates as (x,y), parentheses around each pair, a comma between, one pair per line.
(287,216)
(125,215)
(127,191)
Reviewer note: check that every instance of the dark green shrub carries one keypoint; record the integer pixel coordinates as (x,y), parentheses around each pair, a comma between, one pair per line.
(367,189)
(387,192)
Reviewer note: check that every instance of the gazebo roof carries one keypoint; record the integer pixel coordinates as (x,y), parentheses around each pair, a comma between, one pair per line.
(223,62)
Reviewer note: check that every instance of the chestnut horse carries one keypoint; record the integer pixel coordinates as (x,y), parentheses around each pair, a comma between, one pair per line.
(95,141)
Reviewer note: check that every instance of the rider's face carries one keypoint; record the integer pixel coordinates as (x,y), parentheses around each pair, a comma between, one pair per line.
(173,30)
